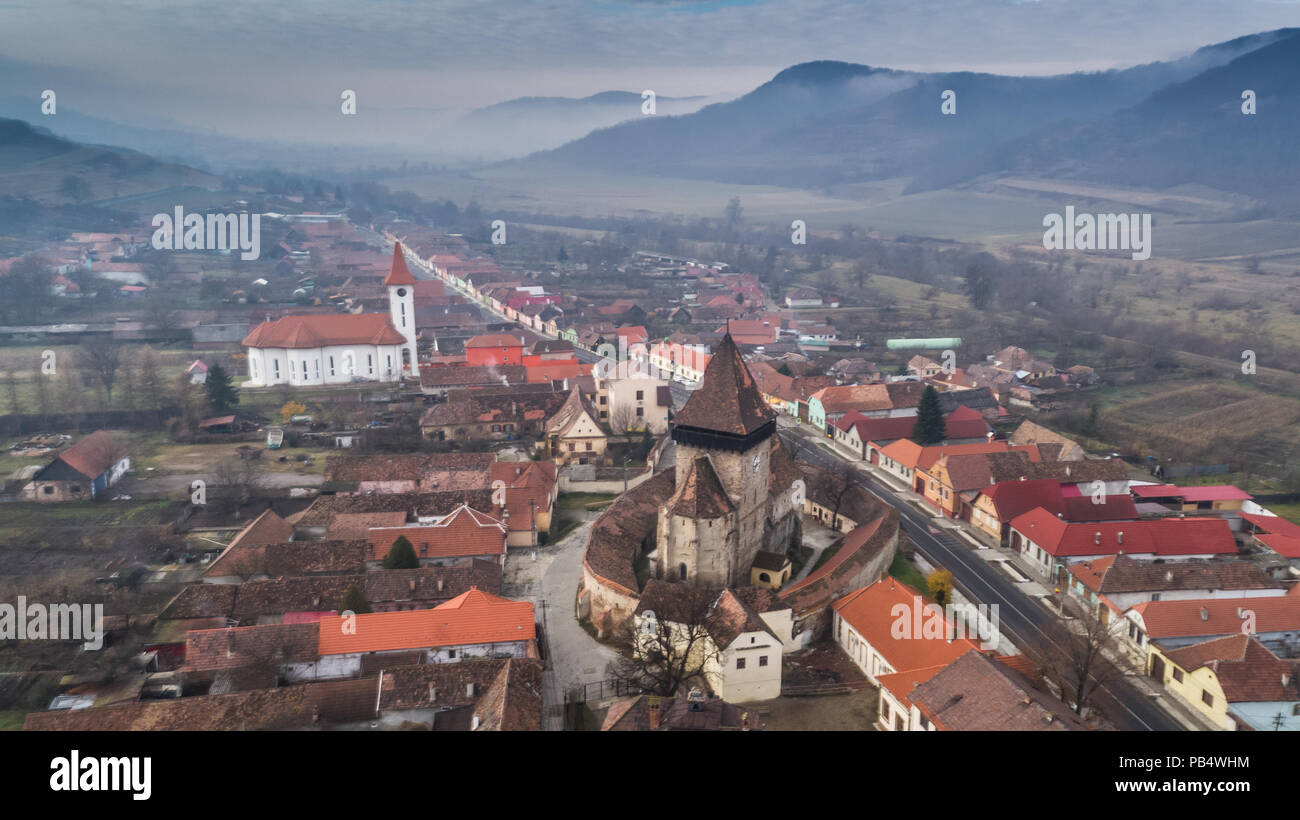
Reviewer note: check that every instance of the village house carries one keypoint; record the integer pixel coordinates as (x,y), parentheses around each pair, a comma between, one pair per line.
(1051,545)
(84,471)
(747,632)
(865,626)
(572,434)
(997,504)
(1278,539)
(488,415)
(1234,682)
(472,625)
(1115,583)
(463,533)
(865,436)
(1221,498)
(477,695)
(978,693)
(1274,622)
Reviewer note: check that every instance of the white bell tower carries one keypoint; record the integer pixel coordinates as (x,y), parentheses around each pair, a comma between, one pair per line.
(401,308)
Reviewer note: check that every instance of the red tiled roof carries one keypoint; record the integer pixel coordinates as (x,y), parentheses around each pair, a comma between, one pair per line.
(464,532)
(399,274)
(94,455)
(1168,536)
(494,340)
(267,528)
(1247,671)
(1222,492)
(1218,616)
(320,330)
(474,617)
(873,611)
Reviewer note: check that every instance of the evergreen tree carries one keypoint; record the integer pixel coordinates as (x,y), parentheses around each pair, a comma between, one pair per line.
(402,555)
(354,601)
(222,393)
(930,427)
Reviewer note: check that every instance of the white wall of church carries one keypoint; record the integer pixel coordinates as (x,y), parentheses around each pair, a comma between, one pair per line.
(335,364)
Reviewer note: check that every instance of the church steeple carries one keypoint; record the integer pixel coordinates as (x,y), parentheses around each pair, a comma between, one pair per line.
(401,308)
(727,411)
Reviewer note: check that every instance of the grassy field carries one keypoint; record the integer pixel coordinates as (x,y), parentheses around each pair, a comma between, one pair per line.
(905,571)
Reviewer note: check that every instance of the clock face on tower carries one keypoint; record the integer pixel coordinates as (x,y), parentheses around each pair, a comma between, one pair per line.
(756,463)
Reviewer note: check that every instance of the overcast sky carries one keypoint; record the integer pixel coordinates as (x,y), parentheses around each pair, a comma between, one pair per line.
(244,66)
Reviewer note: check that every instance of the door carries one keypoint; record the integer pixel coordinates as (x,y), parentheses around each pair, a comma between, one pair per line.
(1158,668)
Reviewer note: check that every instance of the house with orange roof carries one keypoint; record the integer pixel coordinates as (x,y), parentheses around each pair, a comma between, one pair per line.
(494,349)
(340,348)
(888,627)
(1275,622)
(463,533)
(83,471)
(474,624)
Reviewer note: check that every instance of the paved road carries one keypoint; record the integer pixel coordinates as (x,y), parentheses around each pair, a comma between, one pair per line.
(1023,619)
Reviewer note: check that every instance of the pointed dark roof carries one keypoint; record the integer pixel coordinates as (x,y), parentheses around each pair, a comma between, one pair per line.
(399,274)
(727,400)
(701,494)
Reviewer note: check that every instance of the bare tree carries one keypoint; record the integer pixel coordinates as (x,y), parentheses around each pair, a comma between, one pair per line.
(831,486)
(103,358)
(237,480)
(661,651)
(151,378)
(1079,668)
(161,311)
(622,419)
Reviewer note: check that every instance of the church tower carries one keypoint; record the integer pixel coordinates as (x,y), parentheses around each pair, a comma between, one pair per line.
(723,436)
(401,308)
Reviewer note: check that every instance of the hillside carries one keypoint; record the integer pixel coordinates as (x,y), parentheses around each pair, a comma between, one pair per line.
(34,163)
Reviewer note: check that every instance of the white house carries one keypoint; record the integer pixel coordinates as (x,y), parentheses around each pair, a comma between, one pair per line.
(342,348)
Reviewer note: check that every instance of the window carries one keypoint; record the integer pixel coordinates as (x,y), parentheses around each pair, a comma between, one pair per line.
(681,570)
(331,365)
(1155,596)
(762,660)
(1178,675)
(589,445)
(572,447)
(640,412)
(740,663)
(48,490)
(451,654)
(640,395)
(390,362)
(276,364)
(370,364)
(76,488)
(1207,698)
(304,370)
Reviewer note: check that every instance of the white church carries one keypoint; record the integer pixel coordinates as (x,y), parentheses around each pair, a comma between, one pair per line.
(340,348)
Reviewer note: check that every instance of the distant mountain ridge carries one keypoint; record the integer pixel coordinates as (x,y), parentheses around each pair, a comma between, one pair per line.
(829,123)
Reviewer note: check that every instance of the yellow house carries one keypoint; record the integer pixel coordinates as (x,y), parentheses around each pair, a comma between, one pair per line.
(572,434)
(1234,682)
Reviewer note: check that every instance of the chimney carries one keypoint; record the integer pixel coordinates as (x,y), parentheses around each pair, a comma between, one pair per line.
(1096,537)
(652,712)
(1205,613)
(411,585)
(1240,613)
(1119,537)
(469,690)
(440,584)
